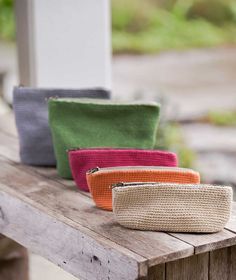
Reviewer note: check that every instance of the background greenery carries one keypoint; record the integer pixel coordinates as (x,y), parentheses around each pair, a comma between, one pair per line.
(148,26)
(154,25)
(7,24)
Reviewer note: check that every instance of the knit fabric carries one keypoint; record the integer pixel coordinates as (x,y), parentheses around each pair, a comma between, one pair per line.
(100,182)
(84,124)
(84,159)
(31,116)
(173,208)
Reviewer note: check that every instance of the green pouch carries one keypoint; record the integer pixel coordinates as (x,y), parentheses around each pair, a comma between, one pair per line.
(77,123)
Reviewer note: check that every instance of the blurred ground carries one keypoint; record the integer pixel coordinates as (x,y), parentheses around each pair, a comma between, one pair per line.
(192,83)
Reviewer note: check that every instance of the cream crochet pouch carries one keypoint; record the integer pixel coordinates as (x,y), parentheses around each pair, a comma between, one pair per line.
(172,207)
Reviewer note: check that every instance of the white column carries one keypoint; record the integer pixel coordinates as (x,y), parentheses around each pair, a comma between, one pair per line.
(64,43)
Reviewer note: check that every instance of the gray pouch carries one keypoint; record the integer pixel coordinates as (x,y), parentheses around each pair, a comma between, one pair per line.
(31,116)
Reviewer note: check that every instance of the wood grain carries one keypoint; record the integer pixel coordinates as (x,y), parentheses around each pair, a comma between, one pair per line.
(78,250)
(192,268)
(208,242)
(157,272)
(223,264)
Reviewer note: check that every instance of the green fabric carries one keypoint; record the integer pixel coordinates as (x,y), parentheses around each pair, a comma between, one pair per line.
(75,123)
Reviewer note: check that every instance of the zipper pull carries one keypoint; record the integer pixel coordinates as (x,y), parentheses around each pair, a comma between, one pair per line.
(93,170)
(120,184)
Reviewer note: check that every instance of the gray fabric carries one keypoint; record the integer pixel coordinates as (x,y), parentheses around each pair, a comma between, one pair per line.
(31,116)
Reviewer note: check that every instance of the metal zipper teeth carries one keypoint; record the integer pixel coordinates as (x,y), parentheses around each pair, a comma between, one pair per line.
(93,170)
(122,184)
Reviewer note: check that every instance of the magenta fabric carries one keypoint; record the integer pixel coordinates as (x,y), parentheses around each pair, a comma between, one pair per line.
(81,160)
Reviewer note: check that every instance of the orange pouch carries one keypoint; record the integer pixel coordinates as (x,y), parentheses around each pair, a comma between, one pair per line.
(100,180)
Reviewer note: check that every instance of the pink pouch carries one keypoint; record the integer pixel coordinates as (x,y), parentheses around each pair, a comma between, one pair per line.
(81,160)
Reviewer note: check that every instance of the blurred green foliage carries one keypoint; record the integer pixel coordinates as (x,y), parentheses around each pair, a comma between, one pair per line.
(7,24)
(170,137)
(222,118)
(154,25)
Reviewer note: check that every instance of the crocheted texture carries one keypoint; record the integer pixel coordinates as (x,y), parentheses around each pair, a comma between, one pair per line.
(31,116)
(84,159)
(174,208)
(100,182)
(100,124)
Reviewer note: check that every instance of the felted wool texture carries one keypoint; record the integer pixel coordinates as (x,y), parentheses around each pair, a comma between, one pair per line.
(31,116)
(100,182)
(81,160)
(84,124)
(173,208)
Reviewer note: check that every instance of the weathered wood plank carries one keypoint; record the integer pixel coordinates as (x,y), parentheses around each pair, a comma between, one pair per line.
(76,249)
(222,264)
(208,242)
(157,272)
(67,202)
(191,268)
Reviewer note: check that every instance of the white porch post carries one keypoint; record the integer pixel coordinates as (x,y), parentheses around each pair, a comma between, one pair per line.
(64,43)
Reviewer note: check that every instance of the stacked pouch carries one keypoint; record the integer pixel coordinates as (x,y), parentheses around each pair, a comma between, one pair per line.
(31,116)
(81,160)
(84,124)
(100,180)
(171,207)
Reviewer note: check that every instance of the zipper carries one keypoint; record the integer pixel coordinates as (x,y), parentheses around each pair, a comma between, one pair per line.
(93,170)
(122,184)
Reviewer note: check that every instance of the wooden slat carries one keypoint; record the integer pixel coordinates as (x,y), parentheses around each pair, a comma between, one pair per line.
(192,268)
(223,264)
(78,250)
(156,247)
(208,242)
(157,272)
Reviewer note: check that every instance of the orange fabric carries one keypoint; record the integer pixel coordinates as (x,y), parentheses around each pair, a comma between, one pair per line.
(100,182)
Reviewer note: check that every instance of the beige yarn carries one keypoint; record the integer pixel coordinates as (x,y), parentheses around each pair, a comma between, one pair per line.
(172,207)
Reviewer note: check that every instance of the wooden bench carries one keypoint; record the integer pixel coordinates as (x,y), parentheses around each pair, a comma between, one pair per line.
(54,219)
